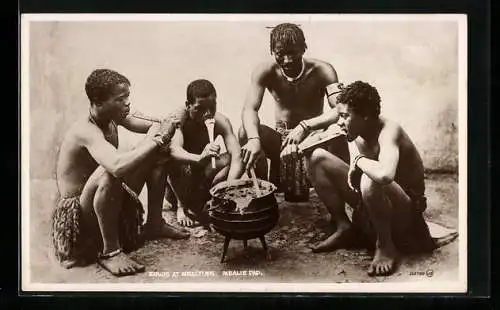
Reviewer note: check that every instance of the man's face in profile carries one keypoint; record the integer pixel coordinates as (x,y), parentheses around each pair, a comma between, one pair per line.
(117,105)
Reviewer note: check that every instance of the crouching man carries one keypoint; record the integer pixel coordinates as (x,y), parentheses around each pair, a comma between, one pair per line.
(98,215)
(191,173)
(384,183)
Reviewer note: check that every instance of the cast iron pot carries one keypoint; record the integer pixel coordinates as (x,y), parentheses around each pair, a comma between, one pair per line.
(253,221)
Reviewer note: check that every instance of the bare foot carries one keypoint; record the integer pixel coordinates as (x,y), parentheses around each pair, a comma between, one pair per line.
(164,230)
(336,241)
(70,263)
(120,264)
(383,263)
(185,219)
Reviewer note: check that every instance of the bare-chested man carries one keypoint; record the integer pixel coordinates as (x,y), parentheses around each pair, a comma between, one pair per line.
(191,174)
(299,86)
(384,183)
(98,215)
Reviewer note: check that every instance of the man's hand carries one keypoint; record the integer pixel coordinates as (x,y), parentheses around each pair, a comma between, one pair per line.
(251,152)
(210,150)
(167,129)
(295,136)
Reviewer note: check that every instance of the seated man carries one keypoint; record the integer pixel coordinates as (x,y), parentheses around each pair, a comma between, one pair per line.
(384,183)
(98,209)
(191,174)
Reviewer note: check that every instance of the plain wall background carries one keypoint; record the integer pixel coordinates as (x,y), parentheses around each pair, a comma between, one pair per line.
(413,64)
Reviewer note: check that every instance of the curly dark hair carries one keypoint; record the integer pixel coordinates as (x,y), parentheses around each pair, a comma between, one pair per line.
(200,88)
(287,34)
(101,82)
(362,98)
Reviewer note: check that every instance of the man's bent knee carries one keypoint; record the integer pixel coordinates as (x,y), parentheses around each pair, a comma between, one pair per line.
(316,157)
(100,181)
(370,188)
(108,185)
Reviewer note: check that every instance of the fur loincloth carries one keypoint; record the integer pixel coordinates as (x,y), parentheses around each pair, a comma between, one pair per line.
(75,243)
(414,239)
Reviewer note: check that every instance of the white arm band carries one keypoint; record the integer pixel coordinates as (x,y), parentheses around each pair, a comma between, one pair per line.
(333,89)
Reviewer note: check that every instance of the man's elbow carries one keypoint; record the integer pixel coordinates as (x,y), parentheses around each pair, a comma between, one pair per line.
(175,152)
(249,110)
(117,171)
(386,178)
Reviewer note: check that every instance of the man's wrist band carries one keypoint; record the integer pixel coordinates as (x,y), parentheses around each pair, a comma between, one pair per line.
(253,138)
(304,126)
(356,159)
(158,139)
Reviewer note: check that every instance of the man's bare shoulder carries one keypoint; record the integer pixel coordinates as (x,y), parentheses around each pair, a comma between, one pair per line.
(82,131)
(178,112)
(222,120)
(325,69)
(263,70)
(391,130)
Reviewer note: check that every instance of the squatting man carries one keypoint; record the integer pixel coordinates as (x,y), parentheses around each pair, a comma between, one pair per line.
(384,183)
(98,216)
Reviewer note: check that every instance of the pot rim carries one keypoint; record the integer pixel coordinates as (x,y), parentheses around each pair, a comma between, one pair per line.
(241,182)
(261,219)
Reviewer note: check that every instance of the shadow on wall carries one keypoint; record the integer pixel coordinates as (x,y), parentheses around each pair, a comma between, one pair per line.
(413,64)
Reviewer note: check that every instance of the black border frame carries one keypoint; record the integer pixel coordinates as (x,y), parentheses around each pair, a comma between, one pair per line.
(479,140)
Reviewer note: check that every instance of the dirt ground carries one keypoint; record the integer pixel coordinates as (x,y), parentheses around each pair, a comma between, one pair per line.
(299,226)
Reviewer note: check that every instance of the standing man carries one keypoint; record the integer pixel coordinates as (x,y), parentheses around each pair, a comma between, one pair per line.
(98,215)
(384,183)
(299,86)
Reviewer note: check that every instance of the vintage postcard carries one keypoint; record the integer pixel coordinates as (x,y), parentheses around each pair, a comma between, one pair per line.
(244,153)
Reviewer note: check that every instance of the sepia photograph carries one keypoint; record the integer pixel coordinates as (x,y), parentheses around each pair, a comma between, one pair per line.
(244,153)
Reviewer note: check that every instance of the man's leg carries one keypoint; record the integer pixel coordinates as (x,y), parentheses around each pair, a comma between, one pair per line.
(219,174)
(389,210)
(152,173)
(170,197)
(328,175)
(183,184)
(339,148)
(155,226)
(271,145)
(187,186)
(101,202)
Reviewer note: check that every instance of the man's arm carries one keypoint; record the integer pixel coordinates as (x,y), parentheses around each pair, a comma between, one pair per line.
(330,79)
(178,152)
(383,171)
(138,122)
(106,155)
(253,101)
(236,168)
